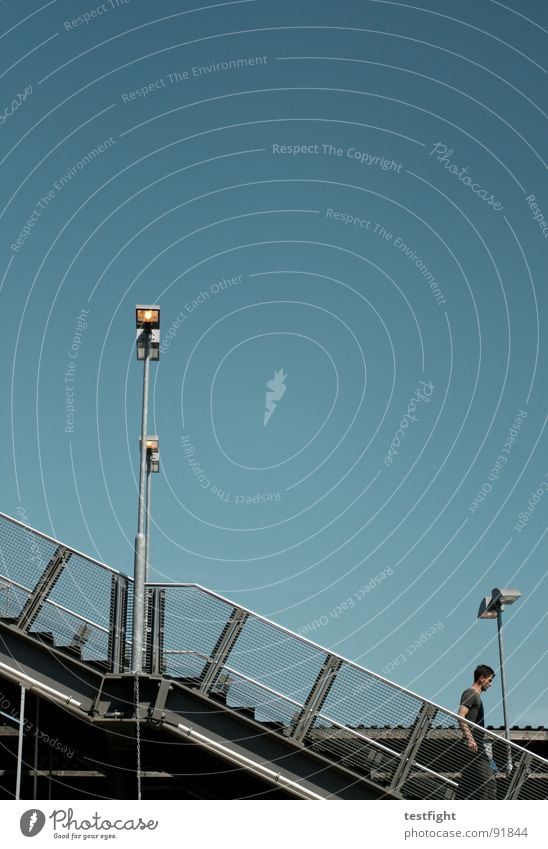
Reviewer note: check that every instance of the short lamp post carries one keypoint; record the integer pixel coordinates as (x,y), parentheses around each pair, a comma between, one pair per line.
(147,320)
(491,607)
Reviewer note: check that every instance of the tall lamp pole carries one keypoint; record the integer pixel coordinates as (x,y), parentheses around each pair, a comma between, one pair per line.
(153,466)
(491,607)
(148,348)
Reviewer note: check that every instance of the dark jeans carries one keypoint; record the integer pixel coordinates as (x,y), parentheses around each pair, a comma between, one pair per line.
(477,779)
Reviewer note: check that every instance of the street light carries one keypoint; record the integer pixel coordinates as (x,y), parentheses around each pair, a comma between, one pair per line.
(491,607)
(153,466)
(148,329)
(147,319)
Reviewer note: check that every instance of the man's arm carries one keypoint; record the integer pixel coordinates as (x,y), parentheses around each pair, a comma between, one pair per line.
(466,731)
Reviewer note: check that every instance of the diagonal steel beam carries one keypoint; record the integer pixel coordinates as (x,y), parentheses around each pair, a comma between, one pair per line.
(521,771)
(317,696)
(407,757)
(223,647)
(43,588)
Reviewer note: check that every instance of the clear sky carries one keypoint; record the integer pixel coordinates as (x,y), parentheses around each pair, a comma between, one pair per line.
(346,200)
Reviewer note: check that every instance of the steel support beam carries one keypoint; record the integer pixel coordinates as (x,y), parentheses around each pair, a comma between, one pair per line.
(223,647)
(158,712)
(407,759)
(317,696)
(520,773)
(43,588)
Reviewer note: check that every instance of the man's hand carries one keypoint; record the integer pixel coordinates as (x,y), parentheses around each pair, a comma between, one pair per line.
(472,745)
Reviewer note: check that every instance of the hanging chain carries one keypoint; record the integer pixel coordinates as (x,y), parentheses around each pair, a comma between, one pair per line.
(138,732)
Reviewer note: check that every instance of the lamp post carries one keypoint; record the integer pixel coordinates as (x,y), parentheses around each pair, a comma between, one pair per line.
(491,607)
(153,466)
(148,348)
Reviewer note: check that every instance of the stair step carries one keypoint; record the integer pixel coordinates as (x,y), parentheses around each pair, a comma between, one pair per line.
(43,636)
(74,651)
(246,711)
(9,620)
(188,682)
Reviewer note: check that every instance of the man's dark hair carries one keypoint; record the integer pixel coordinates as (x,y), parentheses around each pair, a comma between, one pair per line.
(483,671)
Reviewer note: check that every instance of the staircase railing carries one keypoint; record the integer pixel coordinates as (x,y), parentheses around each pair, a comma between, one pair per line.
(66,597)
(332,706)
(329,705)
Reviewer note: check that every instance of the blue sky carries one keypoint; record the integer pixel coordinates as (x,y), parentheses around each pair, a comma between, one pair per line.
(352,194)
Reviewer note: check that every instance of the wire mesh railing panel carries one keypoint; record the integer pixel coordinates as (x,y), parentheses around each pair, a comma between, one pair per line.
(84,588)
(535,785)
(12,598)
(23,554)
(70,631)
(254,701)
(424,785)
(194,621)
(353,750)
(184,664)
(444,751)
(359,699)
(277,659)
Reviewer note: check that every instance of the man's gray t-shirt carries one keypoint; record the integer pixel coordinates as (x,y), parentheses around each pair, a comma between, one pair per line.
(472,701)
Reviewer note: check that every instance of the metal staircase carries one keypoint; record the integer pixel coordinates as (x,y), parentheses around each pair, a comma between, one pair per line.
(226,680)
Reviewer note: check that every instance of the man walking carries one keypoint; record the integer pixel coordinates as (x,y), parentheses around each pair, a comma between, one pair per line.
(477,781)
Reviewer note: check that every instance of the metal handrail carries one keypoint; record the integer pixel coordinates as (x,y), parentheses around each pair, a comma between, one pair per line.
(353,732)
(262,686)
(58,606)
(15,584)
(386,681)
(78,553)
(377,698)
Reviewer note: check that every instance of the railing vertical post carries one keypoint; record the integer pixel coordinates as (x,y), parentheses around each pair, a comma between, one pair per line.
(155,621)
(20,745)
(118,623)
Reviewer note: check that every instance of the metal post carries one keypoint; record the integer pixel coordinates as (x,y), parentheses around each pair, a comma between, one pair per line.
(117,636)
(503,686)
(140,542)
(20,745)
(156,605)
(35,780)
(147,529)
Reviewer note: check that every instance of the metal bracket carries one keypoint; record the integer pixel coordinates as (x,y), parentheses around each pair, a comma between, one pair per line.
(407,758)
(157,712)
(316,698)
(43,588)
(222,648)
